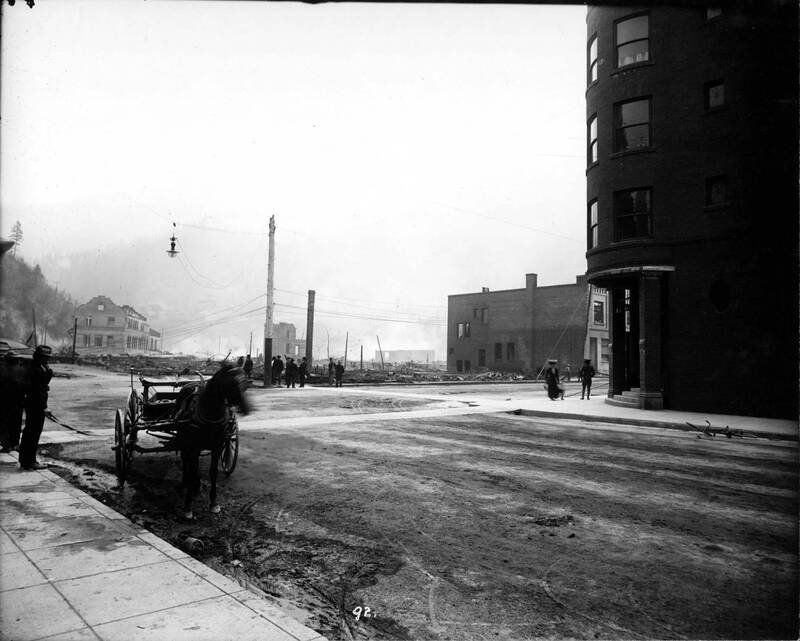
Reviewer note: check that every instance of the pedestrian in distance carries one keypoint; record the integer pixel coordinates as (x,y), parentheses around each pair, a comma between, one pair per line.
(240,361)
(569,373)
(277,370)
(248,367)
(13,376)
(585,375)
(302,371)
(554,389)
(339,371)
(291,372)
(331,372)
(35,407)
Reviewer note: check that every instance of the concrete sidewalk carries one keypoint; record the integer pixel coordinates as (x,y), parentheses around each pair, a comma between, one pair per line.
(75,570)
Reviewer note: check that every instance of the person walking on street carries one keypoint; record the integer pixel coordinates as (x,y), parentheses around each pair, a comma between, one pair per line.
(248,367)
(339,373)
(302,371)
(277,370)
(35,407)
(554,389)
(331,372)
(585,375)
(291,371)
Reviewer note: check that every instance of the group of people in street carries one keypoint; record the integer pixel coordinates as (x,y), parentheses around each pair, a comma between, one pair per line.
(295,372)
(246,364)
(554,388)
(24,387)
(335,373)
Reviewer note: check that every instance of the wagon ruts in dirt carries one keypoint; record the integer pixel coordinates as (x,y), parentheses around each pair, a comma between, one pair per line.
(191,415)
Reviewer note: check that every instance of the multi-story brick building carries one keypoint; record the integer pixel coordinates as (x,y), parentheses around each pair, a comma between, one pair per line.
(692,202)
(285,341)
(517,330)
(107,328)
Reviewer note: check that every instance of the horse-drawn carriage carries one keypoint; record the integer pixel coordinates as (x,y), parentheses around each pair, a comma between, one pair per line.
(187,415)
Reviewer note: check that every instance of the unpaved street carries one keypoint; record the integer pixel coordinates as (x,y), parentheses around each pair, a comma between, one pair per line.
(459,523)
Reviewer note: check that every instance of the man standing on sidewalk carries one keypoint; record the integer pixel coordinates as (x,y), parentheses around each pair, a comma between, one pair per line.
(35,407)
(585,375)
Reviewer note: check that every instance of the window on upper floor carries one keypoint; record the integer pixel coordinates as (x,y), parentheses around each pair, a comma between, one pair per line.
(101,308)
(591,135)
(632,36)
(88,321)
(592,60)
(632,125)
(716,190)
(111,320)
(98,341)
(715,94)
(632,213)
(451,351)
(599,312)
(498,351)
(464,330)
(592,226)
(87,340)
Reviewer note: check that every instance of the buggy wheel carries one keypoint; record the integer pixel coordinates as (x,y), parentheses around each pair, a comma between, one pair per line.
(121,459)
(230,447)
(133,412)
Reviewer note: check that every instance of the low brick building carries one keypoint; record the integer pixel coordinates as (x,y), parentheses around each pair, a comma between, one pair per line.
(517,330)
(107,328)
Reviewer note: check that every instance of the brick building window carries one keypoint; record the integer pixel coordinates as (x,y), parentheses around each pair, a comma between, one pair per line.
(591,151)
(464,330)
(632,214)
(599,312)
(484,315)
(98,341)
(592,235)
(459,366)
(716,190)
(451,351)
(498,351)
(604,353)
(715,94)
(88,321)
(633,40)
(481,358)
(632,125)
(467,366)
(111,320)
(109,340)
(87,340)
(511,352)
(592,60)
(101,308)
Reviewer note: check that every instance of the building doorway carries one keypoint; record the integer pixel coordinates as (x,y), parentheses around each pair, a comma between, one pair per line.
(625,339)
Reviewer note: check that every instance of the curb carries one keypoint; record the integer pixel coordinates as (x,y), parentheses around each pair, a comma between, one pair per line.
(639,422)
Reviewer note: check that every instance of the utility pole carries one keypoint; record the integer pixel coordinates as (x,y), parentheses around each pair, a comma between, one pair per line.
(74,338)
(310,328)
(361,362)
(346,339)
(270,291)
(380,350)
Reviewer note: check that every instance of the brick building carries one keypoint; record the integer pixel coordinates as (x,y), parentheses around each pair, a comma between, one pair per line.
(285,341)
(517,330)
(107,328)
(692,202)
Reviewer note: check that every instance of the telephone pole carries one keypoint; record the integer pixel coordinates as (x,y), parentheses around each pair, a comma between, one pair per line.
(310,328)
(270,288)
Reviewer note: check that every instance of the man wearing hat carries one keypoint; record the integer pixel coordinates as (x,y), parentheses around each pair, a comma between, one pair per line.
(35,406)
(585,375)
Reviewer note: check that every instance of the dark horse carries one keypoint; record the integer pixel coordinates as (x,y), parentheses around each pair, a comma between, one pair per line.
(203,412)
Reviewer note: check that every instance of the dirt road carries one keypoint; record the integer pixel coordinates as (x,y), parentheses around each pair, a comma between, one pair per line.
(476,526)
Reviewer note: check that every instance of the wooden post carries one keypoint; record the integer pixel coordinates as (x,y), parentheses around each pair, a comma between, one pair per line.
(380,350)
(361,362)
(346,339)
(270,290)
(310,327)
(74,339)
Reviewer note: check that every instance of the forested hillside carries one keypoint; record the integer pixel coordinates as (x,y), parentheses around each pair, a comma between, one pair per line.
(24,291)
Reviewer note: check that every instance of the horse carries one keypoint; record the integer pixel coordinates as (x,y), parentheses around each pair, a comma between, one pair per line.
(203,411)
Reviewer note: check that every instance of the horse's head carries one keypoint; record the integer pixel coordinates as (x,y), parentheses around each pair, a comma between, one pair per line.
(231,383)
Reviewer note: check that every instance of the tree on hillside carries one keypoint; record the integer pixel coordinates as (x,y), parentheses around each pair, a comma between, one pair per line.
(16,236)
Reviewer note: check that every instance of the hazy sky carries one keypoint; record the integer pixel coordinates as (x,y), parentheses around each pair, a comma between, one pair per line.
(407,152)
